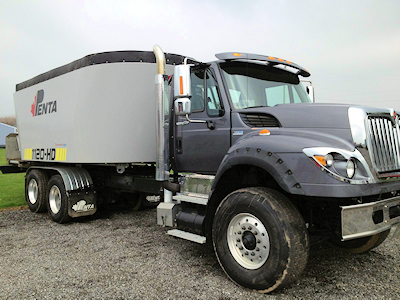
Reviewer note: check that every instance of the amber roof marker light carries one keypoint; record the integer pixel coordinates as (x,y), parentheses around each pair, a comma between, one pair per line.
(264,132)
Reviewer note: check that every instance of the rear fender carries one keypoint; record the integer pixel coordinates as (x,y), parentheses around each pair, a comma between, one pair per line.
(79,187)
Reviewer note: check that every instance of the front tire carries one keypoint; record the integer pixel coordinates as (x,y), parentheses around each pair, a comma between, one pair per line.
(57,203)
(36,190)
(260,239)
(361,245)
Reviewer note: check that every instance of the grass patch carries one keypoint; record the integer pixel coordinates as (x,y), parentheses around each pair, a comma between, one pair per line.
(12,186)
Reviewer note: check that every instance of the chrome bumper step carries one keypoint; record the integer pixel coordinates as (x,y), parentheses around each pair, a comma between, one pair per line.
(187,236)
(370,218)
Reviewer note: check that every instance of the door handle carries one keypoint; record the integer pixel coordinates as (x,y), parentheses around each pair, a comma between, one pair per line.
(179,145)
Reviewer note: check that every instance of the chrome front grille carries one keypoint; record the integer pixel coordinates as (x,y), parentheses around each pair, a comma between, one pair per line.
(383,135)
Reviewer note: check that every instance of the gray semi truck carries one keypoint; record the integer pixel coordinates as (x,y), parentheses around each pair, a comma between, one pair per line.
(235,150)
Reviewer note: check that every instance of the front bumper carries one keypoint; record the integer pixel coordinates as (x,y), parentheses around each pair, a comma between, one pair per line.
(370,218)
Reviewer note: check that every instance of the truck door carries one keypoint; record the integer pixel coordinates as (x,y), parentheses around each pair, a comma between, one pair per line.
(200,147)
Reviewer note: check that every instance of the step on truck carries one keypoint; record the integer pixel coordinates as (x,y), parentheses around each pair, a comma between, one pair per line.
(235,150)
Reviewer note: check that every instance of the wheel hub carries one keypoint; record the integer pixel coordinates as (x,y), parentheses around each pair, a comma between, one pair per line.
(33,191)
(55,199)
(248,241)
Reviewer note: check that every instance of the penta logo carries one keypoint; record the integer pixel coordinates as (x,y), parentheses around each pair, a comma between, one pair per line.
(82,206)
(38,108)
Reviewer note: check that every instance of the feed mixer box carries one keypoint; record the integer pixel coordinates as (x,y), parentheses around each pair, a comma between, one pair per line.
(99,109)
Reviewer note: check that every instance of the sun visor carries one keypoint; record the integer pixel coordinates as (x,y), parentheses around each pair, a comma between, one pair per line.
(270,59)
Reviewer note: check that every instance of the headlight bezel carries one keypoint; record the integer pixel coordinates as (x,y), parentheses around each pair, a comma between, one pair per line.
(336,163)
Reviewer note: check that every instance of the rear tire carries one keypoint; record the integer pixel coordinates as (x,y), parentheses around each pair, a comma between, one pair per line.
(361,245)
(260,239)
(36,190)
(57,203)
(137,202)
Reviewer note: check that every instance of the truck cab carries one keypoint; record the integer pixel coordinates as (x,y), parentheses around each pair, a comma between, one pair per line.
(233,97)
(267,147)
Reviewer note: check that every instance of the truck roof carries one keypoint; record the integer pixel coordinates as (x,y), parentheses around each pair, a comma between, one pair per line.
(274,61)
(102,58)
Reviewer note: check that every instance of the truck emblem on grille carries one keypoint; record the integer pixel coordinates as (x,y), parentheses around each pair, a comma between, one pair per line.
(38,108)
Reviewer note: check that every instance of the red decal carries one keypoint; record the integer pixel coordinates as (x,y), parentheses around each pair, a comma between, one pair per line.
(33,107)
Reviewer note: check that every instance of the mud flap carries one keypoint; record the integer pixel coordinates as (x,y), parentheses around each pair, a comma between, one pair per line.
(81,203)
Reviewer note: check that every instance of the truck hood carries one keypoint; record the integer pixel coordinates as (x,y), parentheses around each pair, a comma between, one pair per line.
(306,115)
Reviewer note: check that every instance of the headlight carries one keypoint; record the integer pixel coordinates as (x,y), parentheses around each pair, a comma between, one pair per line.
(329,160)
(350,168)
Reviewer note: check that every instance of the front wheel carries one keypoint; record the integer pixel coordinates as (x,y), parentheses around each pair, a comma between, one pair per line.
(260,239)
(361,245)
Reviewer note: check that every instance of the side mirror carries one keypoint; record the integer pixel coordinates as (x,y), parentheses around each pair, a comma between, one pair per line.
(182,86)
(182,107)
(182,90)
(310,92)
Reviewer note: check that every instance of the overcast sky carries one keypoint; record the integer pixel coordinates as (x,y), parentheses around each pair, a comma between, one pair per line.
(351,48)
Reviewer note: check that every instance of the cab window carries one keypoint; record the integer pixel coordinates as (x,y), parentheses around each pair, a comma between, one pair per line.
(205,93)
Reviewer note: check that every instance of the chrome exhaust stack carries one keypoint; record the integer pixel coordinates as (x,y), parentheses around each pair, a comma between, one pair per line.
(162,127)
(161,173)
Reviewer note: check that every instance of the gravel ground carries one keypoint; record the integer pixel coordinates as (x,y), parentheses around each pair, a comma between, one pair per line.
(122,254)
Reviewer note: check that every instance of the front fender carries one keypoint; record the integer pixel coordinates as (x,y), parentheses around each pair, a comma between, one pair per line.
(281,155)
(264,159)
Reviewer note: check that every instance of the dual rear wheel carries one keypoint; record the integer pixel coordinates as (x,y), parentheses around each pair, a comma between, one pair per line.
(36,190)
(57,204)
(42,193)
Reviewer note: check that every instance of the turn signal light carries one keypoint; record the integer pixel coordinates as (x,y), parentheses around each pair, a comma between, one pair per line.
(181,85)
(265,132)
(321,159)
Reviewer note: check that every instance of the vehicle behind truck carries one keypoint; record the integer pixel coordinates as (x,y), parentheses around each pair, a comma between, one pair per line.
(235,151)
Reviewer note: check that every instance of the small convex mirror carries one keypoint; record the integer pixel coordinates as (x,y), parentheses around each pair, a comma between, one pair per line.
(182,107)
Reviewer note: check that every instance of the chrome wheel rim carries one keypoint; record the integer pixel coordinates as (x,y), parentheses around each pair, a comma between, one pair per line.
(55,199)
(32,191)
(248,241)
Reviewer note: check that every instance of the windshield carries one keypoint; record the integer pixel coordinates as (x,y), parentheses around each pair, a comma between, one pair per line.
(257,85)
